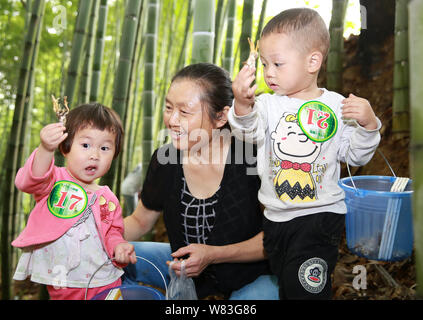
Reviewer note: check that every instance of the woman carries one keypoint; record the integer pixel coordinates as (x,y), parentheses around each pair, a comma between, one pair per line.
(201,184)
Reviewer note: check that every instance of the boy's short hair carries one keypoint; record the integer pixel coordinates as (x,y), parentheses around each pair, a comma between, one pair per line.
(305,25)
(93,115)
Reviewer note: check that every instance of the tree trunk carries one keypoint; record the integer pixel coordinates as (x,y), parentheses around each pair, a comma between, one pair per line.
(99,48)
(416,145)
(246,30)
(121,83)
(228,61)
(401,99)
(203,31)
(10,161)
(336,51)
(79,36)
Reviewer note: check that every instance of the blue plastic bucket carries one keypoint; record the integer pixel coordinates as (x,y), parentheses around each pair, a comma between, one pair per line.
(369,202)
(133,292)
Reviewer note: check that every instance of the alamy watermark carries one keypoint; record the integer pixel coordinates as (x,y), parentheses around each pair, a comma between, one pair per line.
(360,280)
(60,20)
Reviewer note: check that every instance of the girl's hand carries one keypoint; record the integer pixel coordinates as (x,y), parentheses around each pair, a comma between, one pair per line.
(244,94)
(124,253)
(52,135)
(360,110)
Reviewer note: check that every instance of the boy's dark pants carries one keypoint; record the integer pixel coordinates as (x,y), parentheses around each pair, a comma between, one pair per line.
(303,253)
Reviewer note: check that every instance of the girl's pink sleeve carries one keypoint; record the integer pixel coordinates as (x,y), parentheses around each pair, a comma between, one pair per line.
(38,186)
(115,234)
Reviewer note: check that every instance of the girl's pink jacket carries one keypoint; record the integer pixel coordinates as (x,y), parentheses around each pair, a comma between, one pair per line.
(43,226)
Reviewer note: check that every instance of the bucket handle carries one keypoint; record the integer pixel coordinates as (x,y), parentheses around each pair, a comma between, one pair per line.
(111,259)
(384,158)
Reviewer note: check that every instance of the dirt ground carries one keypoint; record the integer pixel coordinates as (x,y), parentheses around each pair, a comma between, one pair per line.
(385,280)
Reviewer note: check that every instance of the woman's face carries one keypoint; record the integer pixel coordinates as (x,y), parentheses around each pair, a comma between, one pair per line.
(185,117)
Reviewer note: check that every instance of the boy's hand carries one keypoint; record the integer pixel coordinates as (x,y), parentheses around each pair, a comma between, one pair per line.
(52,135)
(360,110)
(243,93)
(125,253)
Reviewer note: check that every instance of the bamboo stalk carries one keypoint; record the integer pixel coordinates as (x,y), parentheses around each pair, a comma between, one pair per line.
(336,50)
(182,54)
(401,100)
(121,83)
(218,25)
(228,61)
(89,53)
(149,77)
(10,161)
(23,149)
(203,31)
(84,12)
(261,21)
(99,48)
(246,30)
(133,90)
(416,145)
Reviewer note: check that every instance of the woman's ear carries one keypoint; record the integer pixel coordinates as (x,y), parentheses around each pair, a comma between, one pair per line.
(315,61)
(222,118)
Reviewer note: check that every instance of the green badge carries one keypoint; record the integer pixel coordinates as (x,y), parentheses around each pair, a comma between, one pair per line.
(67,199)
(317,121)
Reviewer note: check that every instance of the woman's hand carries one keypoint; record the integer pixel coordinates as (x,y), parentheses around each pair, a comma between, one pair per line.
(200,256)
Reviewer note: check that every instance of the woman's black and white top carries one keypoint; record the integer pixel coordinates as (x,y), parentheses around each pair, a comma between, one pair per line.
(198,215)
(230,216)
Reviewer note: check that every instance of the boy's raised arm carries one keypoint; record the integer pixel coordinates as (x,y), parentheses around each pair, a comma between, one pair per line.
(244,94)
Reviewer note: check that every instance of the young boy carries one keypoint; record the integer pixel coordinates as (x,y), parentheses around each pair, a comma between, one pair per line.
(76,225)
(301,137)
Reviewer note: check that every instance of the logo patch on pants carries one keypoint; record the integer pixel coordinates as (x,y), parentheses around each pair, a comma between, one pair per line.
(313,275)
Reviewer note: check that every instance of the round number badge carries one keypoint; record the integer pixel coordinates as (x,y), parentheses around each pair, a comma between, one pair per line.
(317,121)
(67,199)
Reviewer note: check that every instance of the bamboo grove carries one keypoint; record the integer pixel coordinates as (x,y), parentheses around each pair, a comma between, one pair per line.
(123,54)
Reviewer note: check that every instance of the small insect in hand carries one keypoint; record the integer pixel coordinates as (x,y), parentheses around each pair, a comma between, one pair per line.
(251,61)
(61,108)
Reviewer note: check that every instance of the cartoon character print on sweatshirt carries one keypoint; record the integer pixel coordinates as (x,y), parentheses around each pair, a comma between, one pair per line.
(296,153)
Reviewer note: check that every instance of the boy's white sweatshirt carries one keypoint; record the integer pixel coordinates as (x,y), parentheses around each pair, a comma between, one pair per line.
(300,176)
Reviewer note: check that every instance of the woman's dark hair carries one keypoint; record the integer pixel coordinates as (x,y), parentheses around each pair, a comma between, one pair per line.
(97,116)
(216,84)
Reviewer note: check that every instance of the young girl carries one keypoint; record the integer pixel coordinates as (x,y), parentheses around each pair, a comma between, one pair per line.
(76,225)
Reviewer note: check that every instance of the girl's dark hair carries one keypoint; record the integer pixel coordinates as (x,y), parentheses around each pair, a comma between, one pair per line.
(216,84)
(97,116)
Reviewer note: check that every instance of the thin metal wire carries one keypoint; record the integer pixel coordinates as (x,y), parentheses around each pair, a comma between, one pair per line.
(110,260)
(384,158)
